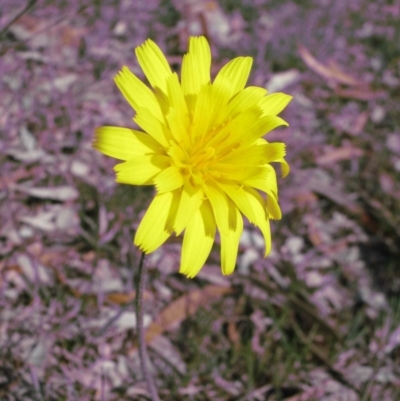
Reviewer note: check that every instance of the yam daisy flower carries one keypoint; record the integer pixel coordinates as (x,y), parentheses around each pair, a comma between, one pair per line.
(202,147)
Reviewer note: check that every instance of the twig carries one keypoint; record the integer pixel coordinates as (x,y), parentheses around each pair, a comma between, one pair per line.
(140,332)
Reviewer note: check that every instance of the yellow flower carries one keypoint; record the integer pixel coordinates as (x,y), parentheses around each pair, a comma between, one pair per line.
(202,148)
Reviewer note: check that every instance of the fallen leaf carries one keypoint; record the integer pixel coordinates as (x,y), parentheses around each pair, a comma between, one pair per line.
(79,168)
(34,56)
(276,276)
(386,182)
(345,153)
(335,195)
(44,220)
(183,307)
(204,17)
(27,138)
(231,387)
(37,356)
(282,80)
(120,298)
(163,346)
(358,124)
(40,32)
(387,375)
(61,193)
(28,27)
(362,92)
(32,270)
(303,197)
(358,374)
(393,142)
(314,232)
(212,274)
(6,180)
(331,72)
(233,334)
(30,156)
(61,84)
(49,257)
(71,36)
(54,218)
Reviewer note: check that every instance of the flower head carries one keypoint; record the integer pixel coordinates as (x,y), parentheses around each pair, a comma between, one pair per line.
(203,149)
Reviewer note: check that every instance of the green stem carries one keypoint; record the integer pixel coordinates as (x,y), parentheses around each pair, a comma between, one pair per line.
(151,388)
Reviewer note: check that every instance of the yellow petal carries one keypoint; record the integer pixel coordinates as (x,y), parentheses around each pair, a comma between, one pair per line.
(256,155)
(168,180)
(256,129)
(236,129)
(141,170)
(271,151)
(237,172)
(152,126)
(178,127)
(284,166)
(202,113)
(175,95)
(262,220)
(273,208)
(266,231)
(248,97)
(190,202)
(196,66)
(162,99)
(178,116)
(210,108)
(198,240)
(223,214)
(154,64)
(136,92)
(221,94)
(156,225)
(224,89)
(253,206)
(246,128)
(240,197)
(177,154)
(123,143)
(237,71)
(265,181)
(230,243)
(273,104)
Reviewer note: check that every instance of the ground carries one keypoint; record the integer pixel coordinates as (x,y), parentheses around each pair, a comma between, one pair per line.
(319,319)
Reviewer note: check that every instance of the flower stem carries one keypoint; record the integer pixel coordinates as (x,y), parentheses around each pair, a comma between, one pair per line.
(151,388)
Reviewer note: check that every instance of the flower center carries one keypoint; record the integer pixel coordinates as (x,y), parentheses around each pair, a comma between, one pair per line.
(201,159)
(198,163)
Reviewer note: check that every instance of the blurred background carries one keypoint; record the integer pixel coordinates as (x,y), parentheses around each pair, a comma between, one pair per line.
(317,320)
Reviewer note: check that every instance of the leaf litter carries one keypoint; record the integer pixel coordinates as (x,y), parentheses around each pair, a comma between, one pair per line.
(319,319)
